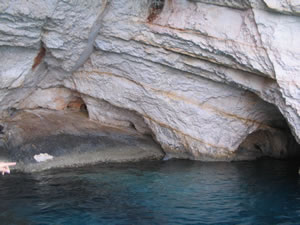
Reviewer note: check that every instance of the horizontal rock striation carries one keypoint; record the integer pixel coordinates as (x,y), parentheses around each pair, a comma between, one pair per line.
(209,80)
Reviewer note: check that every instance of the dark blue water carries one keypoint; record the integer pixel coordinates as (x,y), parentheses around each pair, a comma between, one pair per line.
(172,192)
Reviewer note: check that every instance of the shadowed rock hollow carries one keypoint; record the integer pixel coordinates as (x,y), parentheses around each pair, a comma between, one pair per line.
(208,80)
(41,139)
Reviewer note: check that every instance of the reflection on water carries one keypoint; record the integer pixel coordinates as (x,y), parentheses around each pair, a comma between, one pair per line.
(168,192)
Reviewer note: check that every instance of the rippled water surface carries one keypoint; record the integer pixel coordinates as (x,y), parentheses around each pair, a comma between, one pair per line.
(170,192)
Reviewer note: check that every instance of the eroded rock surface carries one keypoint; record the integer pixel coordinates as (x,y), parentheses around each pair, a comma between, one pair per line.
(209,80)
(41,139)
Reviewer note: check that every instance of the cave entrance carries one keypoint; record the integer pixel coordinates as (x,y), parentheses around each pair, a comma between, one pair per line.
(155,8)
(78,105)
(277,141)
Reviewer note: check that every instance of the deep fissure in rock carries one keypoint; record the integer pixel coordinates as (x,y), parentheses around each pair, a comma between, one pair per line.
(38,59)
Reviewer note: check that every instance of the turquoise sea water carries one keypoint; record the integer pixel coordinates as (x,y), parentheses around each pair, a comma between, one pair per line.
(168,192)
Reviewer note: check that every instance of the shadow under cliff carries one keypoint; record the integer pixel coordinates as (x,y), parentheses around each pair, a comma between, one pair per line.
(42,139)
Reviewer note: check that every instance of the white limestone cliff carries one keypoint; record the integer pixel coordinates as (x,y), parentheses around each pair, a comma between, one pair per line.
(209,80)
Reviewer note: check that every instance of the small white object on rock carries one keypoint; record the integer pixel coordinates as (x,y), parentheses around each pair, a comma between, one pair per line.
(43,157)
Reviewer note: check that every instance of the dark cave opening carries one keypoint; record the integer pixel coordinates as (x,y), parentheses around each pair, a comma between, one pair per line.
(155,8)
(277,142)
(78,105)
(83,108)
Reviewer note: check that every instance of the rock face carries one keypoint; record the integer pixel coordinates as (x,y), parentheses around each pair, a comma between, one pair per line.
(209,80)
(41,139)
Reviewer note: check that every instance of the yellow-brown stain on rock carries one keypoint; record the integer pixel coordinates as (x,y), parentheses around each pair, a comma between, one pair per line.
(38,59)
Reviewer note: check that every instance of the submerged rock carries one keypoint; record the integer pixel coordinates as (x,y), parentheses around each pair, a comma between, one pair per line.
(209,80)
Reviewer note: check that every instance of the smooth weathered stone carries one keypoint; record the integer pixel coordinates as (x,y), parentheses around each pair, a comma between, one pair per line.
(239,4)
(284,6)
